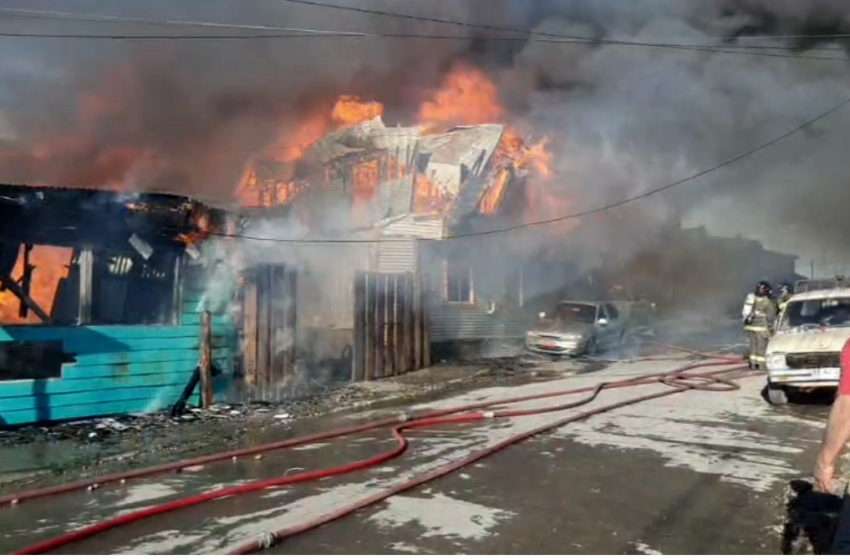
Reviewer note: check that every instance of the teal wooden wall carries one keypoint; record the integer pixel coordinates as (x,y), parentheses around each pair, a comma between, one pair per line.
(119,369)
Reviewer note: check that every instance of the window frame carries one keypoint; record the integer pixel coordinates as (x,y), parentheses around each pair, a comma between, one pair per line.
(88,258)
(447,276)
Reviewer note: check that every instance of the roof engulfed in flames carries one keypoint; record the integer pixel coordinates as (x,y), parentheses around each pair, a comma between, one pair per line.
(459,157)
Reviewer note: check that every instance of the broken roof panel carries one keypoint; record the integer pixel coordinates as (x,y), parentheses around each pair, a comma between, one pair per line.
(346,141)
(472,147)
(392,198)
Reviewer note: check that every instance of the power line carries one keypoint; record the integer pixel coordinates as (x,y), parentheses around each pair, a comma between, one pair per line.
(98,18)
(528,225)
(582,214)
(302,33)
(320,34)
(412,17)
(107,18)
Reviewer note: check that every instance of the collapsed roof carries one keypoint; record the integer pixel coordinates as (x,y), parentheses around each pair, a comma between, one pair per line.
(382,170)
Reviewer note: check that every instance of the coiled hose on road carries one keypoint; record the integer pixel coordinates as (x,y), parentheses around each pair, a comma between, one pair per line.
(678,381)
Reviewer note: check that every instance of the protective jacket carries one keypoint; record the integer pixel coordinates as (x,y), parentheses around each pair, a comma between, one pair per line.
(759,313)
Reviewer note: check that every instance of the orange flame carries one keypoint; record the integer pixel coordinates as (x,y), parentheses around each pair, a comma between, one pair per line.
(467,97)
(427,197)
(350,110)
(51,266)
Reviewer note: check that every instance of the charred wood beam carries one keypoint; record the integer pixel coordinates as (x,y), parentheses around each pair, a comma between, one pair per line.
(10,285)
(26,280)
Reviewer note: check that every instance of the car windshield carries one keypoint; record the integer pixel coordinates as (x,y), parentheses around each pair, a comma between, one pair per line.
(832,312)
(576,313)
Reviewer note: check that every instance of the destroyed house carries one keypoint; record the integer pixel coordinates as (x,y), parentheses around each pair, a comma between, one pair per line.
(101,298)
(404,195)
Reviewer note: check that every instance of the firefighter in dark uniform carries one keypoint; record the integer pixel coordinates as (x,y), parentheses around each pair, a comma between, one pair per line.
(759,316)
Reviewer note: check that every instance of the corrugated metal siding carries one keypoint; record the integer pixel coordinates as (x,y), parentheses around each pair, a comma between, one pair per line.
(452,321)
(396,257)
(429,227)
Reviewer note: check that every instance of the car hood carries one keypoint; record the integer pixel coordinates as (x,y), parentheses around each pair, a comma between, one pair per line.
(810,340)
(561,330)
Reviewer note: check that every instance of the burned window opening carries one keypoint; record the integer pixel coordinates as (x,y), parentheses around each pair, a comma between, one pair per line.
(128,289)
(459,283)
(39,284)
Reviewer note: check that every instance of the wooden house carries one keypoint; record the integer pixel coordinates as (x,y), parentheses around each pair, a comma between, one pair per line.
(101,303)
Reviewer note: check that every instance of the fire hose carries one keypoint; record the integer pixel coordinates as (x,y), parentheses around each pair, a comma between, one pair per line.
(678,381)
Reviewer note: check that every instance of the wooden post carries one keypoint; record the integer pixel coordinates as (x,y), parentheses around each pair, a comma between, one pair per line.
(417,299)
(390,288)
(369,316)
(358,361)
(380,325)
(250,332)
(426,333)
(404,324)
(264,332)
(205,365)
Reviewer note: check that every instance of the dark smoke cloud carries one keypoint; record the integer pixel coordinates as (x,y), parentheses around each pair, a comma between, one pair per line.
(624,119)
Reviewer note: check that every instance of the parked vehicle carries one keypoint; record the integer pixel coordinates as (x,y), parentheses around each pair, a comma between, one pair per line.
(805,352)
(577,328)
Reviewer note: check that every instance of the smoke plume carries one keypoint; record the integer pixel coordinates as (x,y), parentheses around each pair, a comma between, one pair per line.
(185,116)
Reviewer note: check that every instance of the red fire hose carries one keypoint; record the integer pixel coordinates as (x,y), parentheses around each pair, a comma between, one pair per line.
(680,380)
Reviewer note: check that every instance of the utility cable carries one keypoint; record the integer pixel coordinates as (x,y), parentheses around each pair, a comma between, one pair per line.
(303,33)
(322,34)
(382,13)
(108,18)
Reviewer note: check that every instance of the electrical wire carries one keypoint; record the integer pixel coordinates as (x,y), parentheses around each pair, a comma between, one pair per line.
(527,225)
(108,18)
(319,34)
(599,209)
(411,17)
(303,33)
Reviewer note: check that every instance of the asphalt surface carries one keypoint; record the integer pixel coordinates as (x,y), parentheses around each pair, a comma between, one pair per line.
(692,473)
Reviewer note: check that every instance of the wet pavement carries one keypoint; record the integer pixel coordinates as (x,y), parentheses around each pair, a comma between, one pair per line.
(34,457)
(696,472)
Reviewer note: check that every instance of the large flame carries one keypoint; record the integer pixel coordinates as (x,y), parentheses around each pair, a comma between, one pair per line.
(50,265)
(351,110)
(466,97)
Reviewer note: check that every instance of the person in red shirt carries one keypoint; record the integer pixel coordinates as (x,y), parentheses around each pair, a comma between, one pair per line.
(837,428)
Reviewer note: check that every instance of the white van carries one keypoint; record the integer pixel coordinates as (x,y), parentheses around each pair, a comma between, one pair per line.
(805,352)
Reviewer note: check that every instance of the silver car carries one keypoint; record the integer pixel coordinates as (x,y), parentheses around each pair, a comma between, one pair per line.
(576,328)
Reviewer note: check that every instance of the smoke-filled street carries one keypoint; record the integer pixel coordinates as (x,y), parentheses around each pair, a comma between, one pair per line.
(444,276)
(689,473)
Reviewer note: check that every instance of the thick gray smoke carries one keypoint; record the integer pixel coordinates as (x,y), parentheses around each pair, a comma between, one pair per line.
(186,115)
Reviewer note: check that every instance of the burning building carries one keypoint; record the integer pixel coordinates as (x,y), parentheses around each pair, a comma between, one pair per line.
(101,298)
(421,200)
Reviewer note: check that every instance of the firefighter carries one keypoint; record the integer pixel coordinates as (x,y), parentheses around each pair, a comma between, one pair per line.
(759,314)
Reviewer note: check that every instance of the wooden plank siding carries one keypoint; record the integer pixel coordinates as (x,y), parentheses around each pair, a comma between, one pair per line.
(120,369)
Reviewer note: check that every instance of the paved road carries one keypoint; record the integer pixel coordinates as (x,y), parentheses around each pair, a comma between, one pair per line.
(691,473)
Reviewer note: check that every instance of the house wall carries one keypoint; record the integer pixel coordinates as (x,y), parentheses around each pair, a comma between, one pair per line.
(120,369)
(473,321)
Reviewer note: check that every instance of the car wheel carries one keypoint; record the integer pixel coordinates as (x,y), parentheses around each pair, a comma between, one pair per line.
(775,395)
(590,347)
(622,344)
